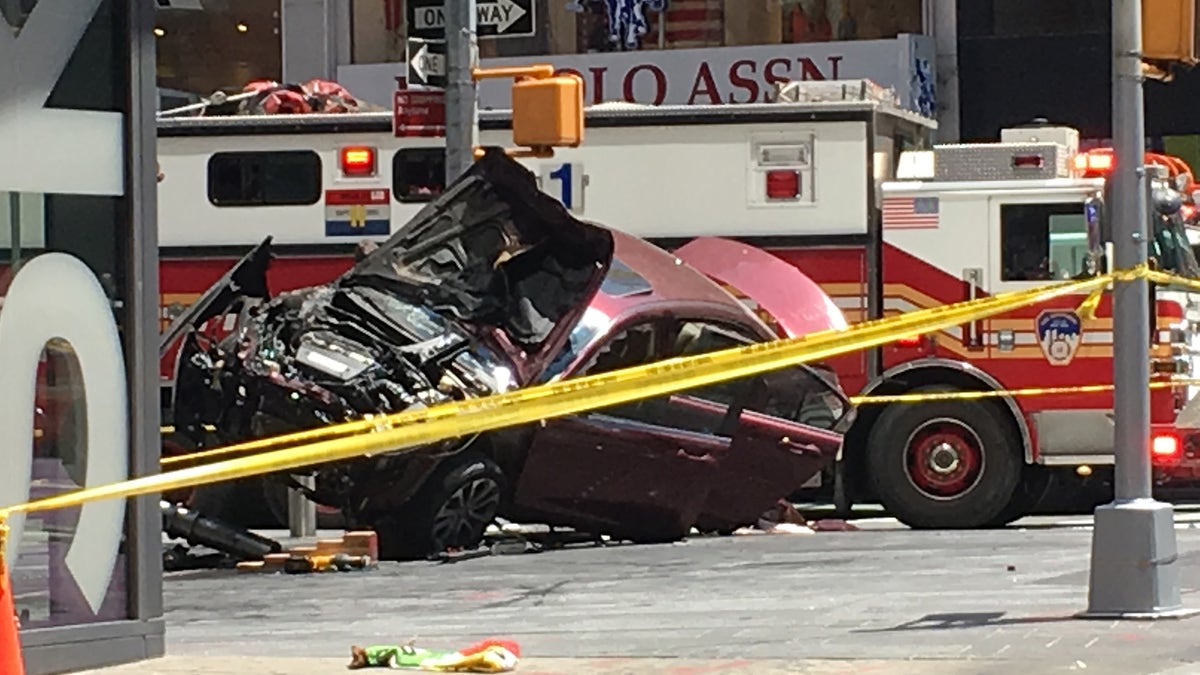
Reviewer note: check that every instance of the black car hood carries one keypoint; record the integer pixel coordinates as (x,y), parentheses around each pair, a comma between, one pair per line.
(246,279)
(493,251)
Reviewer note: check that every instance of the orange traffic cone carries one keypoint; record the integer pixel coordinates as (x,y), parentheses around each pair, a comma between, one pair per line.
(11,662)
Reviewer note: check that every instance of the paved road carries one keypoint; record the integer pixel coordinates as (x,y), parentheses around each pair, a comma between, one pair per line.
(884,599)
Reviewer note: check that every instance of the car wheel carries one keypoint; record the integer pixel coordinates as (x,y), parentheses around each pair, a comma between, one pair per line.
(454,508)
(275,493)
(944,464)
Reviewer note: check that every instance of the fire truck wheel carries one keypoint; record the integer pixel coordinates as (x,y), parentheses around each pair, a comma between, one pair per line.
(944,464)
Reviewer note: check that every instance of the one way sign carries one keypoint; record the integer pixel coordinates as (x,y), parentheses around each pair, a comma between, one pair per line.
(426,63)
(493,18)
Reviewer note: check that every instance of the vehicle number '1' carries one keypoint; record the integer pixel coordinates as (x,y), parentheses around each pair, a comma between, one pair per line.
(565,182)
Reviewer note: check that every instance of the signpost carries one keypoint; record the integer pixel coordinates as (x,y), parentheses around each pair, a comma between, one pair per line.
(419,113)
(1134,566)
(462,98)
(494,19)
(426,61)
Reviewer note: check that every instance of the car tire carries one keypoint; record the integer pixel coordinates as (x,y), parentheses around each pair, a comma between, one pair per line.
(944,464)
(453,509)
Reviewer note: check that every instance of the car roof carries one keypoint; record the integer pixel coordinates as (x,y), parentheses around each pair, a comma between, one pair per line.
(642,273)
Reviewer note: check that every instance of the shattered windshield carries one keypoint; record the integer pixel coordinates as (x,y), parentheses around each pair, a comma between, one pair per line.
(424,323)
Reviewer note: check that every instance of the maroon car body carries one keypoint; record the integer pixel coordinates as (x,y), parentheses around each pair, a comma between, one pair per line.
(495,285)
(716,458)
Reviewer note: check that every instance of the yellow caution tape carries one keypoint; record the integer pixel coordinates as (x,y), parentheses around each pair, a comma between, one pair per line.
(1086,311)
(1001,393)
(451,420)
(899,326)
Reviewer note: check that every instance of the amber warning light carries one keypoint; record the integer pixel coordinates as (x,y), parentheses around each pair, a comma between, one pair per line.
(1092,164)
(358,161)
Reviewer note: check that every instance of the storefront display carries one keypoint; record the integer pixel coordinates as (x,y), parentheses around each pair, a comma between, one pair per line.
(77,285)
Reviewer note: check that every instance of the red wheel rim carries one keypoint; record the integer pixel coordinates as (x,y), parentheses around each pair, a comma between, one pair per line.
(944,458)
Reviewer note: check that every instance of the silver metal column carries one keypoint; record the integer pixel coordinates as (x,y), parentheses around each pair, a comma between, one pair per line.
(1134,570)
(302,511)
(462,128)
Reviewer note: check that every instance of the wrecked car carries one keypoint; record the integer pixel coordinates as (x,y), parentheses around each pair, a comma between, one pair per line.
(492,287)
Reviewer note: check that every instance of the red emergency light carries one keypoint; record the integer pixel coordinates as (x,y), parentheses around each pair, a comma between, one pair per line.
(358,161)
(909,341)
(783,184)
(1164,446)
(1095,163)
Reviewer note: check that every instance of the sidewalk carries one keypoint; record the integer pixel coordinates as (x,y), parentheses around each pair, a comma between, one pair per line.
(611,666)
(875,601)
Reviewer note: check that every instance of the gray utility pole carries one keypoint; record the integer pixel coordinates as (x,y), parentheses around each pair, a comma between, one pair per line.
(1134,570)
(462,128)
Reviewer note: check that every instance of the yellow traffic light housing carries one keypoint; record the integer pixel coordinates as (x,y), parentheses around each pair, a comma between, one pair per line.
(547,109)
(1169,30)
(548,112)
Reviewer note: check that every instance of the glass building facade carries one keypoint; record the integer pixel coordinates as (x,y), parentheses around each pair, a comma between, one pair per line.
(587,27)
(78,328)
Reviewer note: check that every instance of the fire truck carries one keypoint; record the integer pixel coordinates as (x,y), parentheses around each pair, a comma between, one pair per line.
(833,177)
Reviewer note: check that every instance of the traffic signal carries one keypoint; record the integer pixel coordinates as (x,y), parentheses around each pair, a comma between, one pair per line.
(548,112)
(547,109)
(1169,30)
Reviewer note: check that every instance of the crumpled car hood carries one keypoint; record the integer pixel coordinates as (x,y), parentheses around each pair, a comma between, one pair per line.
(494,251)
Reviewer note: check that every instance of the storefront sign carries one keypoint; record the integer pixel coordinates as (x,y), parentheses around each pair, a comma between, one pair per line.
(55,296)
(31,63)
(704,76)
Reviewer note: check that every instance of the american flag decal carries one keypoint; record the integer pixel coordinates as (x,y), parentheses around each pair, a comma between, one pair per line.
(910,212)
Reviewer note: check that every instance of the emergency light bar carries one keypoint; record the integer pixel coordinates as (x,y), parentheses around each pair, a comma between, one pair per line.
(1095,163)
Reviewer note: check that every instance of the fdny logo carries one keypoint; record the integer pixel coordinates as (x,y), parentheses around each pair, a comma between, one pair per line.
(1059,333)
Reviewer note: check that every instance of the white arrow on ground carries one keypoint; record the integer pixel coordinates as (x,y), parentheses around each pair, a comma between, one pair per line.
(425,63)
(501,13)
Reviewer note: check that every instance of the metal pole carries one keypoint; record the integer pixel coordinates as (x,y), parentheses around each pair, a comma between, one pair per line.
(302,511)
(1131,330)
(1134,573)
(462,127)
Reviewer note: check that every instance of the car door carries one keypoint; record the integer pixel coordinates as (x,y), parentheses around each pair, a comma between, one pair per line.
(634,470)
(788,428)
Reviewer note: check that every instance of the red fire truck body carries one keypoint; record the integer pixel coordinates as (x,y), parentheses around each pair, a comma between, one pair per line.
(839,181)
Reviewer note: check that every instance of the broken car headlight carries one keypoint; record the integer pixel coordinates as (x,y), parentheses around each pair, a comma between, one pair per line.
(332,358)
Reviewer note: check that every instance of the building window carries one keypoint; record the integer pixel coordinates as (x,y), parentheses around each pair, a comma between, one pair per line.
(222,47)
(419,174)
(287,178)
(600,26)
(1032,18)
(1040,242)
